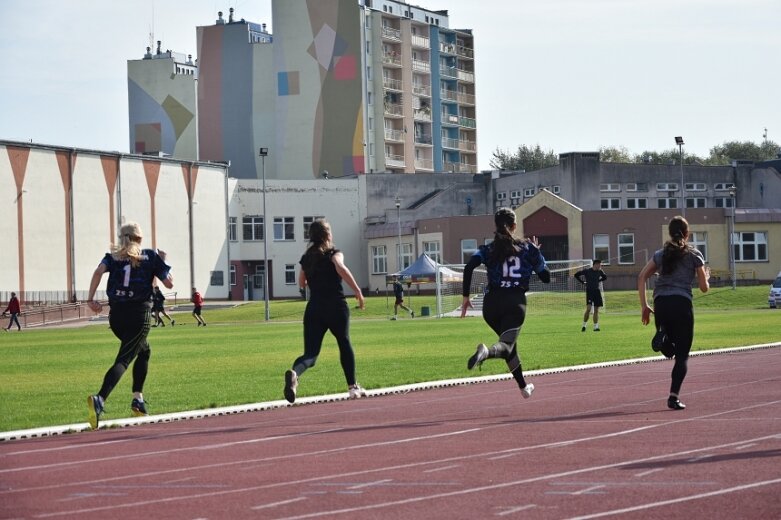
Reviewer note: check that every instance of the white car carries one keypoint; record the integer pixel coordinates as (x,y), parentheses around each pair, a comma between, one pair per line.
(774,298)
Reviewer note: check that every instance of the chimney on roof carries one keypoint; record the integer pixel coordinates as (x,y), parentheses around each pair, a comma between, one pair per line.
(264,27)
(220,20)
(158,46)
(148,55)
(230,15)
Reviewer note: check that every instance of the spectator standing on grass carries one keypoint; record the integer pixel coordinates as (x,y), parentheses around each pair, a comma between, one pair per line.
(14,309)
(677,263)
(131,271)
(323,270)
(197,300)
(509,265)
(158,307)
(398,293)
(592,277)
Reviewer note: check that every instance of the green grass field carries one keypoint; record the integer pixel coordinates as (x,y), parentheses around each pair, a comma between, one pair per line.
(48,373)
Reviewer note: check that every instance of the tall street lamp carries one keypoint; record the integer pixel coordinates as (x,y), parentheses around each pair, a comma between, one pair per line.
(263,154)
(398,220)
(733,191)
(680,143)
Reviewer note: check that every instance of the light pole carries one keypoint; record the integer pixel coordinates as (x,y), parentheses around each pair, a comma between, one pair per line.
(733,191)
(263,154)
(680,143)
(398,220)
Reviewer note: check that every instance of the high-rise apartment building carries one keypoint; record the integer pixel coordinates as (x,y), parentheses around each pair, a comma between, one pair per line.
(342,87)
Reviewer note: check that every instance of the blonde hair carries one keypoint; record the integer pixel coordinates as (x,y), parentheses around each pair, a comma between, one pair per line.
(129,247)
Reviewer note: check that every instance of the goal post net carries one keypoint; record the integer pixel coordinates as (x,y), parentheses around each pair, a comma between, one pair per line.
(563,294)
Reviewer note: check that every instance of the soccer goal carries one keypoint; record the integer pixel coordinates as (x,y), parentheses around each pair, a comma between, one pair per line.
(563,294)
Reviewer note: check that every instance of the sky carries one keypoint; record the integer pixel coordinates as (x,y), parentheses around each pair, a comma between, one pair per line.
(568,75)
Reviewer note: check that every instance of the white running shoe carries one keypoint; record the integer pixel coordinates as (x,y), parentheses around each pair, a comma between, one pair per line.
(291,385)
(480,355)
(527,391)
(356,391)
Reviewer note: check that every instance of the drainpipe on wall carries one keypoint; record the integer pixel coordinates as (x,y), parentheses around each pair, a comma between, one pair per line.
(71,227)
(227,230)
(190,225)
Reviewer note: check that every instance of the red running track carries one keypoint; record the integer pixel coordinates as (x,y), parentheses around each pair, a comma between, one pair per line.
(588,444)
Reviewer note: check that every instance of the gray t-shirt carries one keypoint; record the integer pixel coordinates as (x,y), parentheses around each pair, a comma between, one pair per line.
(679,282)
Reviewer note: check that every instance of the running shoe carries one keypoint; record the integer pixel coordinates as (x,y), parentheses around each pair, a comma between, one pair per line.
(138,408)
(291,384)
(95,406)
(527,390)
(674,403)
(356,391)
(659,340)
(173,322)
(480,355)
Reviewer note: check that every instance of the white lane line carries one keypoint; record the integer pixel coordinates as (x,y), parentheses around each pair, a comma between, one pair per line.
(277,504)
(745,446)
(646,473)
(698,496)
(443,468)
(369,484)
(511,510)
(399,502)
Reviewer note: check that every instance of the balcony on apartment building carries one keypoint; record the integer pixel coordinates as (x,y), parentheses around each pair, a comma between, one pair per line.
(450,95)
(421,66)
(421,41)
(391,134)
(424,164)
(391,83)
(450,119)
(394,161)
(449,142)
(392,58)
(465,52)
(448,72)
(465,75)
(394,110)
(465,99)
(458,167)
(389,33)
(447,48)
(423,139)
(421,90)
(467,122)
(421,114)
(467,146)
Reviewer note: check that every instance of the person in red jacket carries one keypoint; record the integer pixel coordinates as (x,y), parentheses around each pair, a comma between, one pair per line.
(14,309)
(197,300)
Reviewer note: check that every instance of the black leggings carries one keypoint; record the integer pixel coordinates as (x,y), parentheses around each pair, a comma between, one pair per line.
(505,312)
(676,315)
(129,323)
(321,316)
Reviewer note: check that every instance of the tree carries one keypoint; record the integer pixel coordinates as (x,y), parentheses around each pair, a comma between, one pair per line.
(615,154)
(747,150)
(671,156)
(525,158)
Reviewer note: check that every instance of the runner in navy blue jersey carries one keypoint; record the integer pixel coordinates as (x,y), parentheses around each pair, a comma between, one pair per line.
(509,263)
(131,271)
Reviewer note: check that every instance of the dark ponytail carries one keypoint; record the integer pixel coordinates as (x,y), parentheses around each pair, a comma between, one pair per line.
(505,244)
(675,248)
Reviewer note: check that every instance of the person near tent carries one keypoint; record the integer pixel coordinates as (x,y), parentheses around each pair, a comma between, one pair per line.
(398,292)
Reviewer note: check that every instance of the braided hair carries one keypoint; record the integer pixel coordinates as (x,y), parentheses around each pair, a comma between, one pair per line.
(505,243)
(675,248)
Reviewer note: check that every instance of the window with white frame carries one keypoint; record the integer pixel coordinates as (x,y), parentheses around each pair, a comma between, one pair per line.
(610,204)
(667,203)
(290,274)
(695,202)
(722,186)
(260,269)
(379,260)
(515,194)
(556,189)
(637,203)
(502,195)
(750,246)
(468,247)
(284,228)
(699,240)
(233,274)
(252,228)
(601,244)
(610,186)
(695,186)
(432,249)
(626,248)
(723,202)
(406,255)
(308,222)
(233,229)
(529,192)
(636,186)
(666,186)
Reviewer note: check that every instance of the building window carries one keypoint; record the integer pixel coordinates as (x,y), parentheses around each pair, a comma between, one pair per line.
(260,270)
(695,202)
(667,203)
(636,203)
(502,195)
(637,186)
(216,278)
(626,248)
(406,255)
(308,222)
(610,186)
(666,186)
(556,189)
(290,274)
(529,192)
(750,246)
(233,229)
(284,228)
(379,260)
(433,251)
(601,245)
(699,240)
(610,204)
(233,274)
(252,228)
(695,186)
(722,186)
(468,247)
(723,202)
(515,194)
